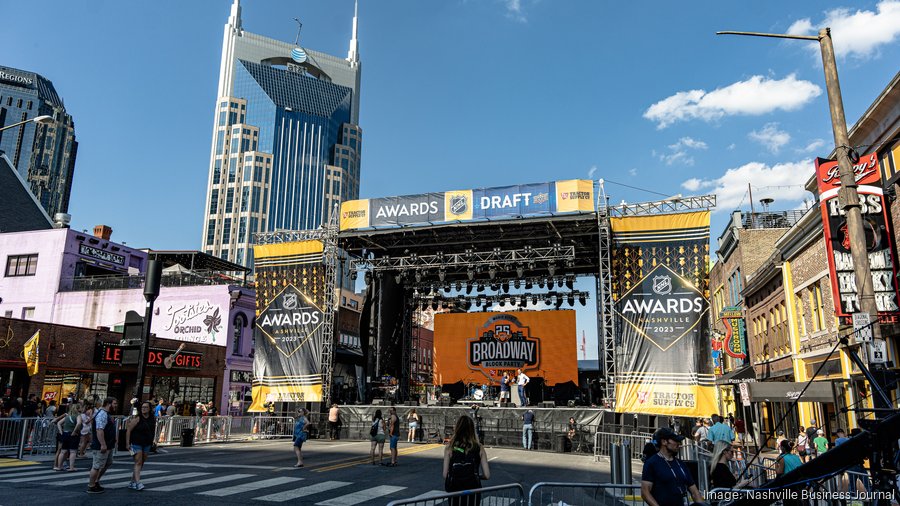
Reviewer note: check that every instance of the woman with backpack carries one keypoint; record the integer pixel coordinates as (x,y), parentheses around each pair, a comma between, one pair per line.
(376,434)
(465,463)
(301,434)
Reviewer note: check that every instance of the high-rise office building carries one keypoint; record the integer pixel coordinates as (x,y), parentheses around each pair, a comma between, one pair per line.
(42,153)
(286,139)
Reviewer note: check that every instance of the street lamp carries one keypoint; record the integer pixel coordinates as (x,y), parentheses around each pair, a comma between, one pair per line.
(40,120)
(847,193)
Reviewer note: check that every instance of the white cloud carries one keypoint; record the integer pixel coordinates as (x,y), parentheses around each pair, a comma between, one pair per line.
(783,182)
(732,146)
(771,137)
(592,171)
(755,96)
(632,171)
(678,151)
(813,146)
(858,34)
(514,10)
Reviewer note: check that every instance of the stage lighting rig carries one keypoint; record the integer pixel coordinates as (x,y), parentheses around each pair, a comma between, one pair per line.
(520,273)
(528,284)
(458,286)
(570,281)
(470,272)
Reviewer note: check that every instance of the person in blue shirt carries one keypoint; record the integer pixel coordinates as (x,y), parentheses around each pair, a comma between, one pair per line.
(160,408)
(719,431)
(665,480)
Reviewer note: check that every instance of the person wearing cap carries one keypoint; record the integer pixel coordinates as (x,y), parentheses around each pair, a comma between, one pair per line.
(820,442)
(665,480)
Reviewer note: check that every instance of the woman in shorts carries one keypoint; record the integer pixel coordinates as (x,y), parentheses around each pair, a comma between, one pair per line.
(413,419)
(376,434)
(139,437)
(301,434)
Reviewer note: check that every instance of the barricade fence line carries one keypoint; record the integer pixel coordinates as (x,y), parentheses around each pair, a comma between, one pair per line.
(604,494)
(508,495)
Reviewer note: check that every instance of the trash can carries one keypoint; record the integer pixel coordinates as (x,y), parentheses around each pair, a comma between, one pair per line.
(187,437)
(562,442)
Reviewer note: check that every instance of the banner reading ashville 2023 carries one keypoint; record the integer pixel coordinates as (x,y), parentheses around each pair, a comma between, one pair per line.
(290,296)
(661,291)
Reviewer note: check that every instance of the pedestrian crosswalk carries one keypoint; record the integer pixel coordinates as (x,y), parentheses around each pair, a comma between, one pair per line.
(261,488)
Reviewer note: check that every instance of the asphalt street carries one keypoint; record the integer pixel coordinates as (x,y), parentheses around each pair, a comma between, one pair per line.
(336,473)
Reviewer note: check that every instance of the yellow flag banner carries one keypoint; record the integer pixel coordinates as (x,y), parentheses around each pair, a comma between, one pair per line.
(661,293)
(290,317)
(32,353)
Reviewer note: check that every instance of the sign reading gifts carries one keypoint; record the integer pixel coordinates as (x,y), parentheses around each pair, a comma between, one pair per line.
(506,202)
(878,236)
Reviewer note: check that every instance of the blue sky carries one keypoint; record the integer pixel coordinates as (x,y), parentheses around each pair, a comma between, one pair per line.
(465,93)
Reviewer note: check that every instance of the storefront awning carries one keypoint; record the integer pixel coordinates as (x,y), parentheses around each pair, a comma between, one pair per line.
(776,391)
(743,375)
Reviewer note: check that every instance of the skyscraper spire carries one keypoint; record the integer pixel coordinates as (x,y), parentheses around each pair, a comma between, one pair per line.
(235,18)
(353,53)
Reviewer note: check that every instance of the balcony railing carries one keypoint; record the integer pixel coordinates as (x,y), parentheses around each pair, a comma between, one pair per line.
(191,278)
(779,219)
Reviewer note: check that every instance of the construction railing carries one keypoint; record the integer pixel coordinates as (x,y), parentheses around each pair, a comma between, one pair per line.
(27,436)
(603,440)
(507,495)
(605,494)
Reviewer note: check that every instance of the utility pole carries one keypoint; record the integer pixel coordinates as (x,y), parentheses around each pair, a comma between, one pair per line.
(847,195)
(151,292)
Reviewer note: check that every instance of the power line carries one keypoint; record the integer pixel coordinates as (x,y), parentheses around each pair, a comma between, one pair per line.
(637,188)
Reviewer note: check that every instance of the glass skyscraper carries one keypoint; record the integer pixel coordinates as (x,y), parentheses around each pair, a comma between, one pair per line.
(43,154)
(286,142)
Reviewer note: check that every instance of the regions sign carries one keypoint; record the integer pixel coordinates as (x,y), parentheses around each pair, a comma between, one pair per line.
(472,347)
(878,236)
(507,202)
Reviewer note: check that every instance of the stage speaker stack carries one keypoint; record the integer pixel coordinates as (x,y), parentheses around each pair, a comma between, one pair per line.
(547,404)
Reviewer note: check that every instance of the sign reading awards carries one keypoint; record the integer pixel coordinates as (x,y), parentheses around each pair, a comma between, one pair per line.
(289,320)
(878,236)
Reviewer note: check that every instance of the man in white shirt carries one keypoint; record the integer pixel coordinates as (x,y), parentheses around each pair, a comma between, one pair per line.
(521,381)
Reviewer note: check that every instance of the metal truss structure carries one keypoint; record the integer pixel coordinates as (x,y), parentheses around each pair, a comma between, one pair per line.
(470,261)
(328,235)
(676,204)
(605,305)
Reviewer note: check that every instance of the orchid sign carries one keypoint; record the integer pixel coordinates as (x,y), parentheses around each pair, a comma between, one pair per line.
(191,320)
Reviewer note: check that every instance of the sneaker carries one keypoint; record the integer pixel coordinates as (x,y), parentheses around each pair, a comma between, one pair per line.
(139,486)
(96,489)
(132,485)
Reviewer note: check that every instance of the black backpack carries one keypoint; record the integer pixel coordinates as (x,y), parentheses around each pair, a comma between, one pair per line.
(374,430)
(464,469)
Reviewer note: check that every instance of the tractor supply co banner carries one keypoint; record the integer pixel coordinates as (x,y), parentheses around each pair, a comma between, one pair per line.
(660,286)
(572,196)
(879,239)
(480,347)
(290,295)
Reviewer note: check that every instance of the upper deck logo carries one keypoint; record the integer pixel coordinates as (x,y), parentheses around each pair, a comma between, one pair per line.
(662,285)
(459,204)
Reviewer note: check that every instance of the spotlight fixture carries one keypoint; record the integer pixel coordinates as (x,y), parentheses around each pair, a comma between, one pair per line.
(447,288)
(442,274)
(582,299)
(418,277)
(471,274)
(541,282)
(505,286)
(503,302)
(534,299)
(559,301)
(353,275)
(434,304)
(368,277)
(571,299)
(520,271)
(478,302)
(517,283)
(458,286)
(551,269)
(492,272)
(468,288)
(570,281)
(548,299)
(399,278)
(550,282)
(528,284)
(480,287)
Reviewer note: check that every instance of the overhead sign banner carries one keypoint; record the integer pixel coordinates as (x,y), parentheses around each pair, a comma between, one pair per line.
(661,290)
(480,347)
(507,202)
(879,238)
(290,316)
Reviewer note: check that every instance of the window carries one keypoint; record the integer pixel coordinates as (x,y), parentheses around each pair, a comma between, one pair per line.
(245,198)
(229,200)
(27,313)
(240,321)
(211,232)
(217,172)
(220,142)
(8,314)
(21,265)
(214,202)
(820,306)
(815,305)
(801,315)
(226,232)
(242,230)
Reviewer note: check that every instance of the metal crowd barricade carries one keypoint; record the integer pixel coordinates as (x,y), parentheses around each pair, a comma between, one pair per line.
(241,427)
(602,441)
(273,427)
(506,495)
(168,428)
(578,494)
(215,428)
(27,436)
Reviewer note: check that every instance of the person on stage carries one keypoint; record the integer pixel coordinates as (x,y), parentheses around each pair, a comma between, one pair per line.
(521,381)
(504,387)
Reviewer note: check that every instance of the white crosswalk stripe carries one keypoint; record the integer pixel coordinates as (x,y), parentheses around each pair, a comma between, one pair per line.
(109,476)
(317,488)
(250,486)
(157,479)
(29,473)
(199,483)
(361,496)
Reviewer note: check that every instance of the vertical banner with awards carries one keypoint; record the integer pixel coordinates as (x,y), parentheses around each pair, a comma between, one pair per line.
(290,305)
(661,291)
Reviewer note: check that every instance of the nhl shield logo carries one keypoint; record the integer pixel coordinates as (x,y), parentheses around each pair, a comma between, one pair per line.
(642,397)
(459,204)
(289,301)
(662,285)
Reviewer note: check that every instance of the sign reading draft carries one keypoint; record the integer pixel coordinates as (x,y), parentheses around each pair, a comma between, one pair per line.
(290,297)
(480,347)
(660,286)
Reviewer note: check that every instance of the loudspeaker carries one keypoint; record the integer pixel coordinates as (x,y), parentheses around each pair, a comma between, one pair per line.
(152,279)
(378,402)
(547,404)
